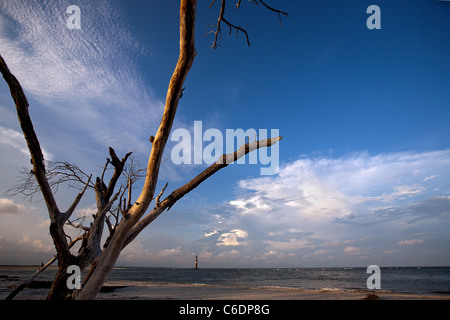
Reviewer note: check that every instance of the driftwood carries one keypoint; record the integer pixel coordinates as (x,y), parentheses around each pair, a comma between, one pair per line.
(130,218)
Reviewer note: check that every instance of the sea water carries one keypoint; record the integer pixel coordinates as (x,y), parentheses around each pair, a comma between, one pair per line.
(417,280)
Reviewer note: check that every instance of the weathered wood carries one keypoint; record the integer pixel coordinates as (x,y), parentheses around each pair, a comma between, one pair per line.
(57,219)
(176,195)
(185,59)
(131,221)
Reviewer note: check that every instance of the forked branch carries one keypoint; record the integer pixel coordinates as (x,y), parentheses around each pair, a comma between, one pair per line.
(218,32)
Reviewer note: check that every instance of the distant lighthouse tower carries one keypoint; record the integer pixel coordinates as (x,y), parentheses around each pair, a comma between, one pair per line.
(196,263)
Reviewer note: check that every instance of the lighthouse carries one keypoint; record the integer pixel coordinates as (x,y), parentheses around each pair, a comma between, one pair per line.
(196,262)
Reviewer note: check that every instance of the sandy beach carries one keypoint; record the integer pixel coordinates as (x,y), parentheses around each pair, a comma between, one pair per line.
(151,291)
(129,290)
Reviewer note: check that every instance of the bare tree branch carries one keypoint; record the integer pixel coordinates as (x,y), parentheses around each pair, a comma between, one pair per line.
(221,163)
(218,32)
(37,158)
(77,226)
(71,209)
(128,215)
(129,194)
(118,168)
(57,173)
(185,59)
(270,8)
(27,186)
(104,169)
(157,203)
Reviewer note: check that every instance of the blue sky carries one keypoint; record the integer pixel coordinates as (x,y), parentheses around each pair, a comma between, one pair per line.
(364,172)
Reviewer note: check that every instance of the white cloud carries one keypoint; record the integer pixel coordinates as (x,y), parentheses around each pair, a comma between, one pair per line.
(134,252)
(232,254)
(320,252)
(336,211)
(86,212)
(36,245)
(352,250)
(336,243)
(251,205)
(334,188)
(170,252)
(327,203)
(43,224)
(317,253)
(291,244)
(90,74)
(16,140)
(430,177)
(210,234)
(232,238)
(410,242)
(402,192)
(431,209)
(8,206)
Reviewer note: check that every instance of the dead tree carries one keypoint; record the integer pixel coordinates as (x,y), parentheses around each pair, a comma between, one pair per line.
(129,218)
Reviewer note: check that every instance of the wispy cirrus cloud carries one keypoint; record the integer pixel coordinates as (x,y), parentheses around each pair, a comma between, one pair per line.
(86,90)
(16,140)
(88,79)
(410,242)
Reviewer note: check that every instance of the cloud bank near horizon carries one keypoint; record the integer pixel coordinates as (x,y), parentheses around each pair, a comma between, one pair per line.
(353,210)
(348,211)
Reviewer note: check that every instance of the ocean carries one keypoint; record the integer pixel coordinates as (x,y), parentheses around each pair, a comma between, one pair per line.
(416,280)
(420,280)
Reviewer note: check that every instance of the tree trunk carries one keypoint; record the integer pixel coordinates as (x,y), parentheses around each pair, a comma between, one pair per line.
(186,58)
(133,221)
(58,289)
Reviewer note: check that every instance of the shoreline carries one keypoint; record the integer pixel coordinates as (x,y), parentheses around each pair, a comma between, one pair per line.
(138,290)
(129,290)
